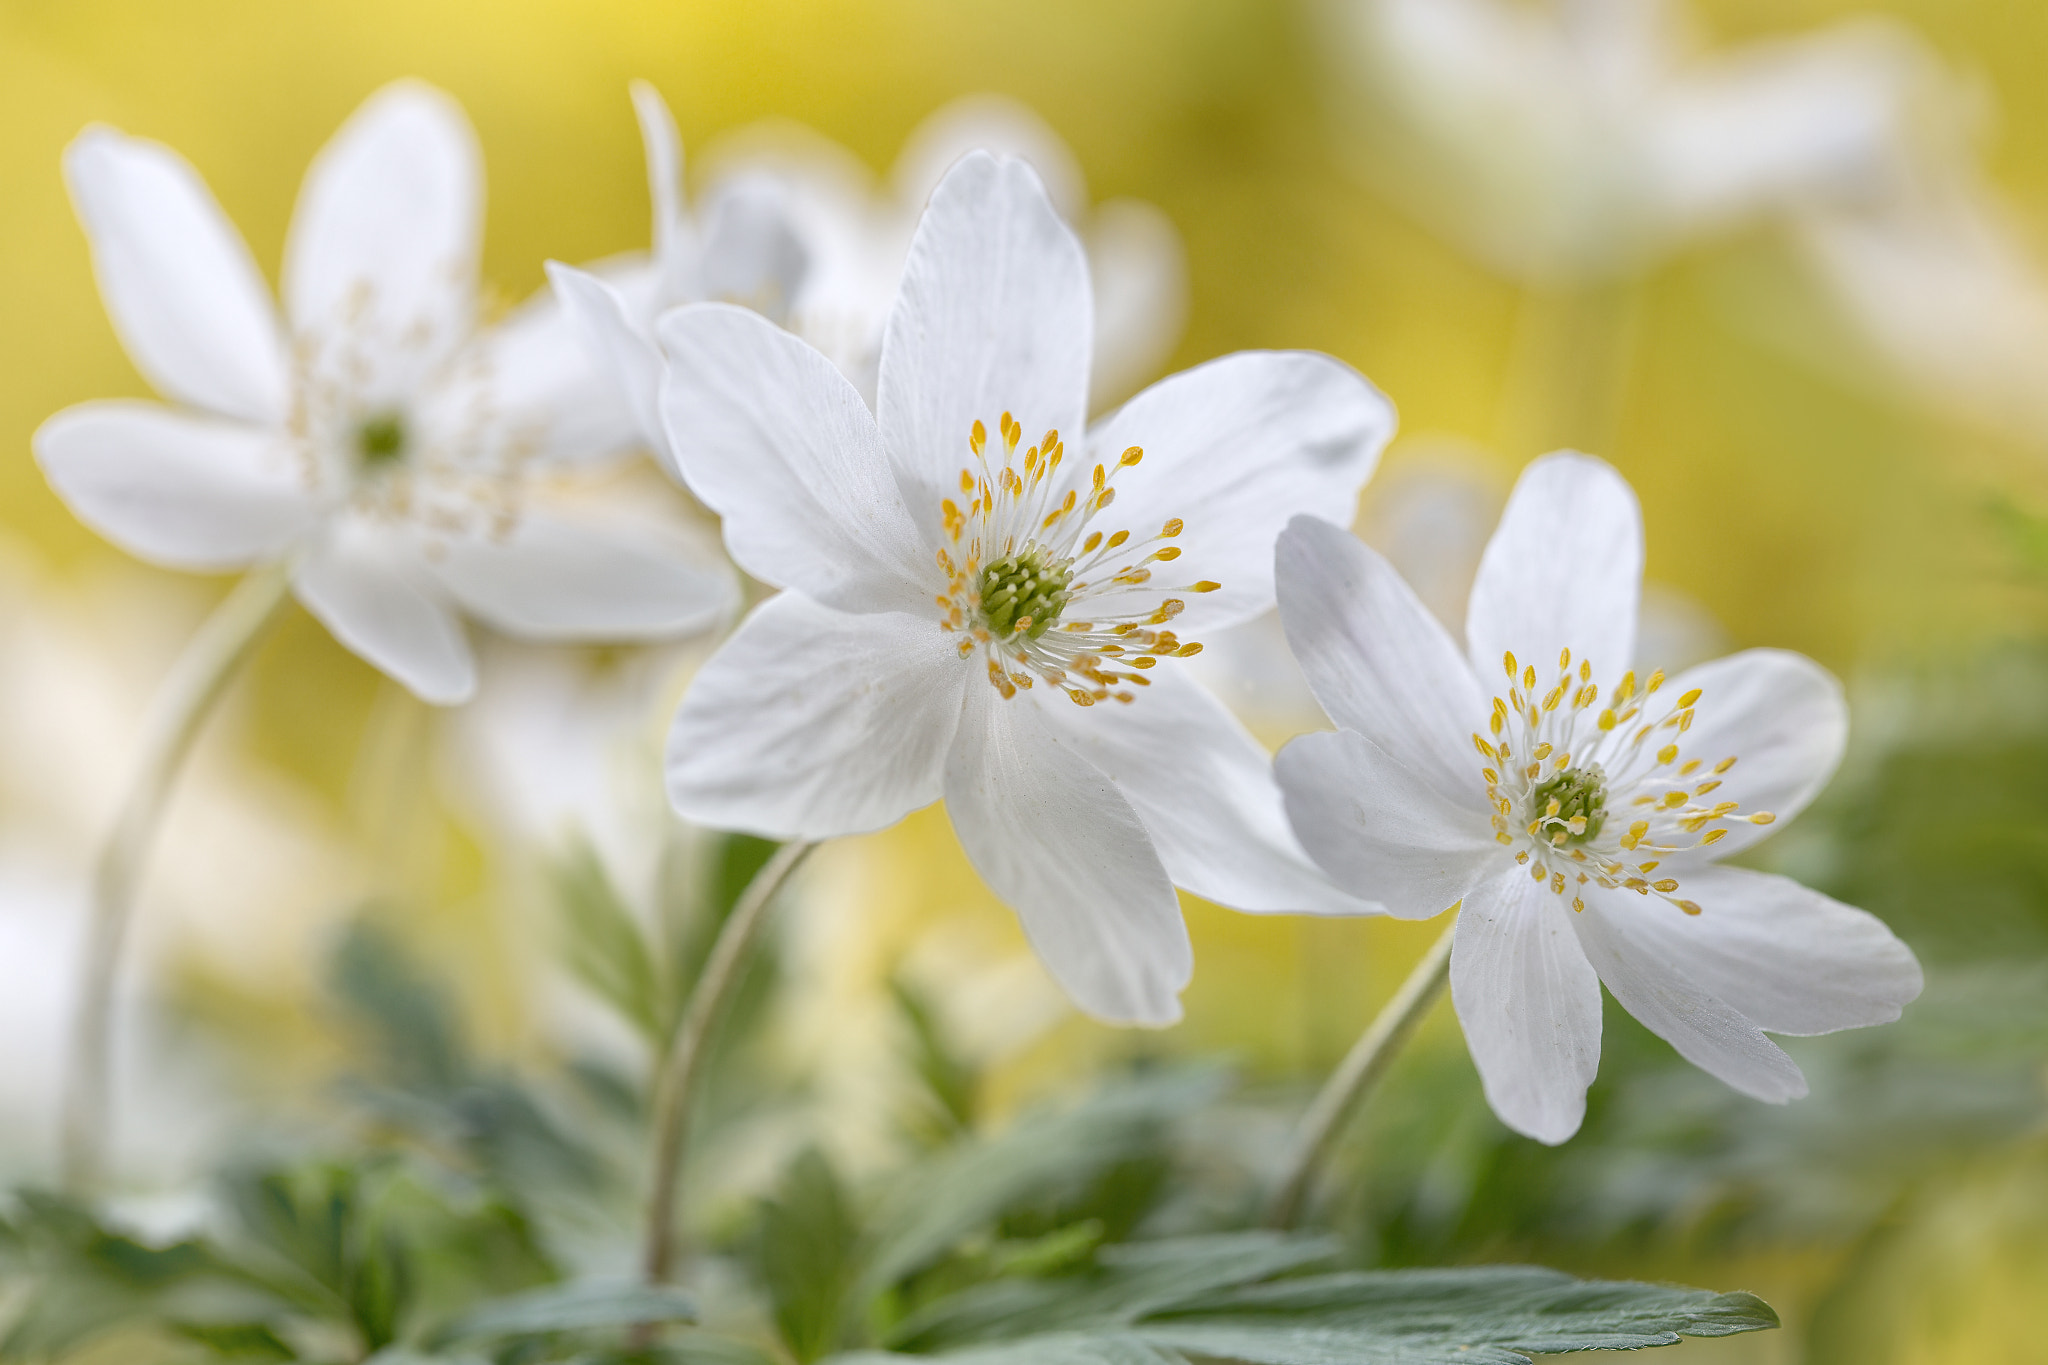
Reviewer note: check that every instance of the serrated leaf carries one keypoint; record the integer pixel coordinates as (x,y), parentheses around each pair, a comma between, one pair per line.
(606,948)
(965,1189)
(804,1253)
(1129,1282)
(1068,1348)
(588,1305)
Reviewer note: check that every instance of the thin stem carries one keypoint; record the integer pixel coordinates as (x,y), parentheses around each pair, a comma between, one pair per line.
(196,682)
(677,1082)
(1360,1070)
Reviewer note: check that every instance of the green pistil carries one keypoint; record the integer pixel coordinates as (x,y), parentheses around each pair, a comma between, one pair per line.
(1577,791)
(381,439)
(1030,583)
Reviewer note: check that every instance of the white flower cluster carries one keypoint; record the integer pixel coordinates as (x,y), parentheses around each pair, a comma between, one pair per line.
(982,597)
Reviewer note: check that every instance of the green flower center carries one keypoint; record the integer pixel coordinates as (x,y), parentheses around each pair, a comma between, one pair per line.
(1024,592)
(1572,803)
(380,440)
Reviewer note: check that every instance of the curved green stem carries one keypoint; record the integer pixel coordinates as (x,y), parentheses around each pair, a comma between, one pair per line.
(675,1087)
(196,682)
(1360,1070)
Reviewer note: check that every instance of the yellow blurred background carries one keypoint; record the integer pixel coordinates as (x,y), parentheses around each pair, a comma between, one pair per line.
(1791,486)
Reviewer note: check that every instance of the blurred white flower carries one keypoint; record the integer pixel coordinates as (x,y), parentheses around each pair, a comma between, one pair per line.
(410,462)
(1579,818)
(251,875)
(1945,285)
(947,602)
(745,250)
(856,235)
(1581,139)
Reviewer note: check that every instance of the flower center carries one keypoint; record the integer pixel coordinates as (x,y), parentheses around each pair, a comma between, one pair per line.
(1561,770)
(1022,560)
(1024,592)
(1573,801)
(380,440)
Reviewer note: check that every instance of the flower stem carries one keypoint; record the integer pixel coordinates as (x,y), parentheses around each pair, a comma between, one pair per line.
(223,641)
(1360,1070)
(675,1086)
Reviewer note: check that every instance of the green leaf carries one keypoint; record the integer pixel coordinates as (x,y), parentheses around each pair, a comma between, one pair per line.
(1480,1313)
(950,1081)
(1052,1349)
(804,1253)
(399,1009)
(237,1340)
(1128,1282)
(967,1188)
(583,1306)
(605,947)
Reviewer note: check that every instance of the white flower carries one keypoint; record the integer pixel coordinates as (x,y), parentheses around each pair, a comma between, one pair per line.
(745,250)
(1577,811)
(957,583)
(797,230)
(1580,138)
(410,462)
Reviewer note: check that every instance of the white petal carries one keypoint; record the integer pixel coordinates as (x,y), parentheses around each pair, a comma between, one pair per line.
(1141,296)
(987,123)
(1377,660)
(810,723)
(1205,790)
(177,279)
(772,438)
(664,149)
(1529,1004)
(1052,836)
(1790,959)
(1564,570)
(1380,829)
(1793,119)
(1635,959)
(994,316)
(549,390)
(179,490)
(752,253)
(1781,716)
(385,236)
(563,576)
(625,355)
(1235,449)
(367,586)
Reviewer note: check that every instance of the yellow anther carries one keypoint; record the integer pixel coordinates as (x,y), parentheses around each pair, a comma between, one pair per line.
(1667,753)
(1131,456)
(1627,688)
(1101,477)
(1557,883)
(1607,720)
(1689,698)
(1492,777)
(1143,661)
(1762,817)
(1504,837)
(1724,765)
(1579,904)
(1585,670)
(1508,662)
(1119,538)
(1665,884)
(1564,660)
(1522,857)
(1539,872)
(1553,807)
(1577,824)
(1691,766)
(1207,585)
(1542,751)
(1497,721)
(1171,552)
(1529,677)
(1673,800)
(1647,868)
(1172,528)
(1483,747)
(1703,788)
(1690,907)
(1088,545)
(1656,681)
(1713,836)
